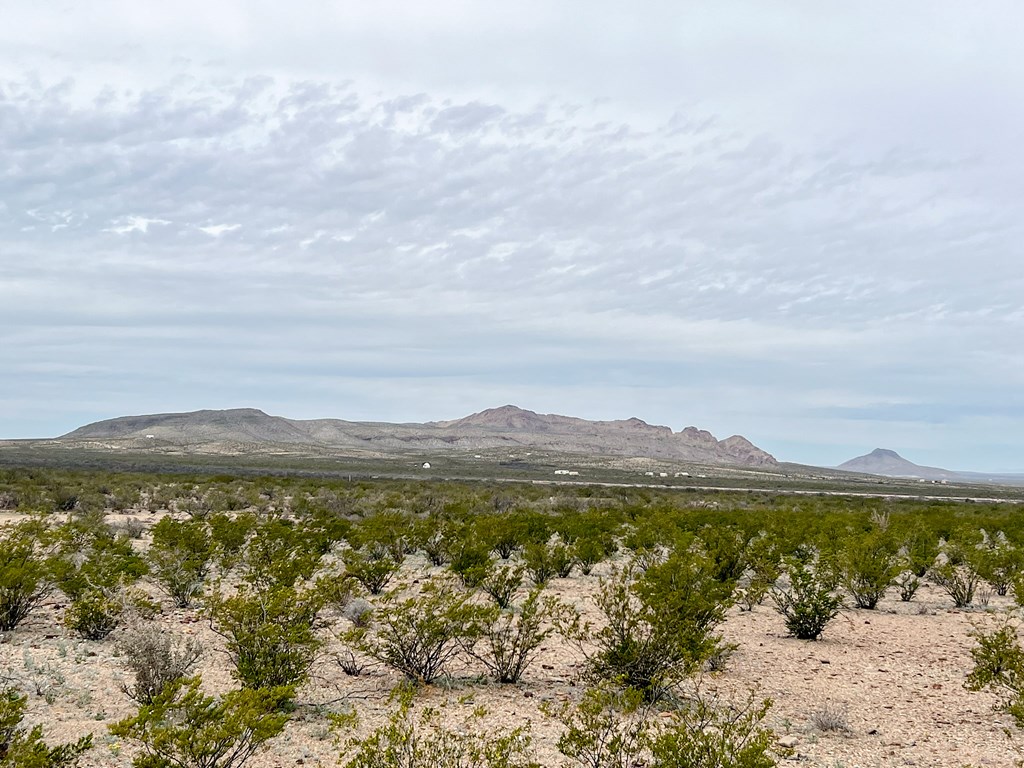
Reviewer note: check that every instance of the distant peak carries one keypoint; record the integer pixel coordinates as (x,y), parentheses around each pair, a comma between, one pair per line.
(885,453)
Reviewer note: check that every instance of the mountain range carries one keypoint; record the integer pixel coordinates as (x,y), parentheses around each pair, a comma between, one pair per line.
(248,430)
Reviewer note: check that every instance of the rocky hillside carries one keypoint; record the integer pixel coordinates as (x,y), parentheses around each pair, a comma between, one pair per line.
(251,430)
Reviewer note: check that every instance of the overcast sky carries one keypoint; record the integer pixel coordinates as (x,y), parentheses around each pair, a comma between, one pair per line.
(800,222)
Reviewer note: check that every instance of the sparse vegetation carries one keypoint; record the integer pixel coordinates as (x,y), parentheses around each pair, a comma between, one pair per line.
(156,660)
(809,604)
(272,564)
(22,747)
(184,728)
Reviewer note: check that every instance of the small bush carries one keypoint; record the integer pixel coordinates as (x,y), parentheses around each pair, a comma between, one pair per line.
(501,584)
(959,581)
(615,728)
(831,717)
(510,639)
(25,572)
(998,562)
(373,574)
(907,583)
(271,635)
(409,740)
(183,728)
(809,605)
(22,748)
(658,628)
(999,667)
(868,564)
(156,659)
(280,553)
(179,558)
(420,636)
(470,561)
(94,614)
(544,561)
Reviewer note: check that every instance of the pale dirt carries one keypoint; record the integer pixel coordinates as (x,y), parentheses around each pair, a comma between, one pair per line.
(898,671)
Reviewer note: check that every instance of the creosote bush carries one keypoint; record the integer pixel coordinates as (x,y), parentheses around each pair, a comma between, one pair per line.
(413,739)
(957,577)
(611,727)
(420,636)
(809,604)
(658,627)
(999,667)
(271,635)
(184,728)
(179,558)
(25,748)
(25,571)
(509,639)
(94,614)
(868,564)
(373,573)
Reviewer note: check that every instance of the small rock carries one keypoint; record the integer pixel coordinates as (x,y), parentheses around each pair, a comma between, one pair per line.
(788,742)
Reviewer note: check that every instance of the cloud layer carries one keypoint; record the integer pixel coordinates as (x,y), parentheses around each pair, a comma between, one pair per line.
(225,234)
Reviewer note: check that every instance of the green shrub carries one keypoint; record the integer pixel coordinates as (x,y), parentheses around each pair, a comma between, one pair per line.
(999,667)
(409,740)
(373,574)
(94,567)
(184,728)
(270,635)
(907,583)
(437,537)
(93,614)
(26,572)
(545,560)
(509,639)
(501,584)
(229,535)
(957,577)
(421,635)
(657,628)
(179,558)
(21,748)
(156,659)
(607,728)
(280,553)
(998,562)
(470,561)
(809,604)
(617,728)
(868,564)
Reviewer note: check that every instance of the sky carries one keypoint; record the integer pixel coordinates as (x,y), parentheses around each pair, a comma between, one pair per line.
(800,222)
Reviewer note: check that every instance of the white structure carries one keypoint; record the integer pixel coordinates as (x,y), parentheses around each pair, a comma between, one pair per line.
(566,472)
(426,465)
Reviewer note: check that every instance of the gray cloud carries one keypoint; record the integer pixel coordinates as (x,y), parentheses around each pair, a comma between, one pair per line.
(415,247)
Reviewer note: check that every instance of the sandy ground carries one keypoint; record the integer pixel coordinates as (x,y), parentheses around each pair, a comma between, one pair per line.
(897,673)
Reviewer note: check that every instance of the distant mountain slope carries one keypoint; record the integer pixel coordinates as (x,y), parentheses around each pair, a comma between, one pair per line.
(251,430)
(887,463)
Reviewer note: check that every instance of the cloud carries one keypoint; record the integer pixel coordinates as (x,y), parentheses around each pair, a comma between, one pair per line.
(413,245)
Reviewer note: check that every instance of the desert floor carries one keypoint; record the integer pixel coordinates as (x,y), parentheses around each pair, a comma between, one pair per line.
(894,674)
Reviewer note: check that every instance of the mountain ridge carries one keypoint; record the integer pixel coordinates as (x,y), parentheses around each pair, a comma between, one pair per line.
(508,426)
